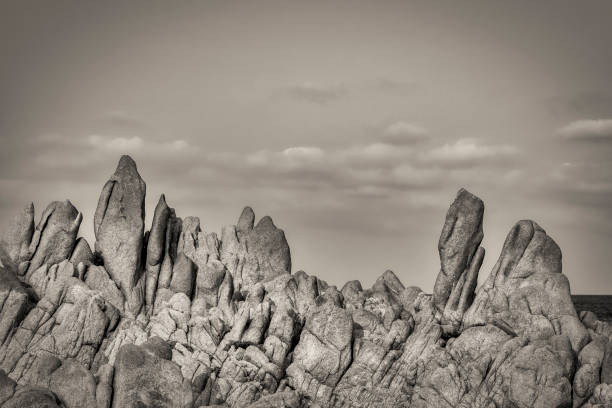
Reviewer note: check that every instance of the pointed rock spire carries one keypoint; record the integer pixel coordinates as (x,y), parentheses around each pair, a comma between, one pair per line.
(245,222)
(119,225)
(156,246)
(81,253)
(459,240)
(269,245)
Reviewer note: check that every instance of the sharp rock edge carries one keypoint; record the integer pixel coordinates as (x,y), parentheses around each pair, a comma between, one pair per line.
(180,317)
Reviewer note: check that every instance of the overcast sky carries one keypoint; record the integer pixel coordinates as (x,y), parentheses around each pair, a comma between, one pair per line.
(352,124)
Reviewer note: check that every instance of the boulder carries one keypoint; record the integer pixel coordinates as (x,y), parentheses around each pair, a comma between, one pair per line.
(323,353)
(55,235)
(526,293)
(269,246)
(97,278)
(33,397)
(16,300)
(183,275)
(145,377)
(82,253)
(16,239)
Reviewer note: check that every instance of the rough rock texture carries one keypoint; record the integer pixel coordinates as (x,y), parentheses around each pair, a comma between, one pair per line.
(119,227)
(181,317)
(460,259)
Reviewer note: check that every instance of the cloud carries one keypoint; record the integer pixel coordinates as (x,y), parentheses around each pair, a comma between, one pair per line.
(586,177)
(577,183)
(316,93)
(383,155)
(368,170)
(292,157)
(137,144)
(587,103)
(395,86)
(378,170)
(120,120)
(469,153)
(588,130)
(404,133)
(60,156)
(118,144)
(304,154)
(367,173)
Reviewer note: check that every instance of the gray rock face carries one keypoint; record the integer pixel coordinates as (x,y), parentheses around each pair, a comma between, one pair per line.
(119,227)
(55,235)
(459,241)
(16,239)
(144,377)
(181,317)
(268,244)
(81,253)
(245,222)
(526,294)
(156,249)
(460,258)
(16,300)
(324,351)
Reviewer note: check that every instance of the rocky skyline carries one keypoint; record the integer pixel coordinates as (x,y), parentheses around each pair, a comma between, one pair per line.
(173,316)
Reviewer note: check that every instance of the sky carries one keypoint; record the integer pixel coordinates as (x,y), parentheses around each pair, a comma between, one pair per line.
(353,124)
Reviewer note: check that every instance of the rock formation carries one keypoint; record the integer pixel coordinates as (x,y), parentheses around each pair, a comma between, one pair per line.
(179,317)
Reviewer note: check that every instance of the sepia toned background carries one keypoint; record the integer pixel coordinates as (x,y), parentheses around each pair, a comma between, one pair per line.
(352,124)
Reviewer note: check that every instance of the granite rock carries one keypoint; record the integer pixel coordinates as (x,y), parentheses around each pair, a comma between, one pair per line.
(182,317)
(119,228)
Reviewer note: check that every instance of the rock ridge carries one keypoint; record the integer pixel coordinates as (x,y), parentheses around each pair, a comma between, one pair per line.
(175,316)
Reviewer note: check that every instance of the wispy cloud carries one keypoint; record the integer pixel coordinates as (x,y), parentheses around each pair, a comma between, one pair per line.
(119,144)
(316,93)
(401,132)
(469,153)
(378,168)
(577,184)
(588,130)
(396,86)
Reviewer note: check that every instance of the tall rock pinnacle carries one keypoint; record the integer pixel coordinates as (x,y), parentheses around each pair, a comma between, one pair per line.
(119,225)
(459,240)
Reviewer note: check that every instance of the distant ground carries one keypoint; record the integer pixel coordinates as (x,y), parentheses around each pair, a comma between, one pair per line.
(601,305)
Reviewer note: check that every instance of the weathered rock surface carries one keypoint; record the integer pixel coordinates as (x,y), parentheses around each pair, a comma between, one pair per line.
(460,259)
(119,228)
(526,294)
(146,377)
(16,239)
(181,317)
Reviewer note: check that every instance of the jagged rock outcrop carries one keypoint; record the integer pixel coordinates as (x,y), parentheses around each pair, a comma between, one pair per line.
(180,317)
(460,258)
(119,230)
(16,240)
(25,248)
(526,293)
